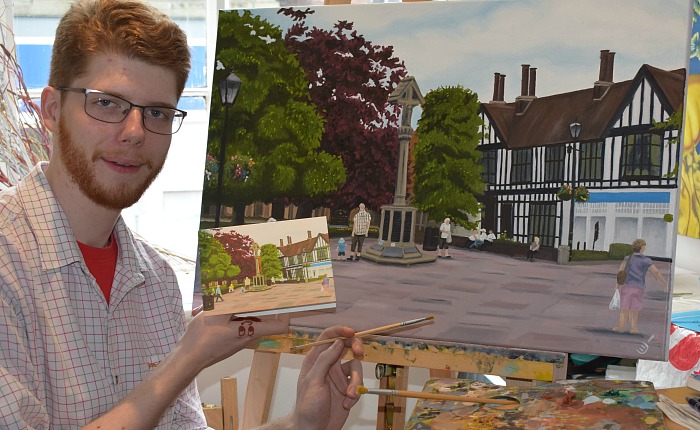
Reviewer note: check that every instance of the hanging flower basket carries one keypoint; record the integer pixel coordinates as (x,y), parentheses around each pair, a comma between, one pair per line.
(564,193)
(237,169)
(581,194)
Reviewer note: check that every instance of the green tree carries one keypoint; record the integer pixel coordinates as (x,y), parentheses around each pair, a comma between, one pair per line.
(215,263)
(270,261)
(273,133)
(447,161)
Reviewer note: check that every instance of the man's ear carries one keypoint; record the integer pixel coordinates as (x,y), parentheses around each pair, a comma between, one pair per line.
(51,108)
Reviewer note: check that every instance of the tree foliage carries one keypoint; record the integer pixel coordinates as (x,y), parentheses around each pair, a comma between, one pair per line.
(350,80)
(215,263)
(240,249)
(272,125)
(270,262)
(447,161)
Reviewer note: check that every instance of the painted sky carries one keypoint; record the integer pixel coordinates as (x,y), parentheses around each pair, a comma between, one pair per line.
(466,42)
(297,229)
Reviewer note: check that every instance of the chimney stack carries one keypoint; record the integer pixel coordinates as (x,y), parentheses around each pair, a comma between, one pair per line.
(533,78)
(527,89)
(308,232)
(501,88)
(603,64)
(498,87)
(289,240)
(524,81)
(605,75)
(611,63)
(281,242)
(496,83)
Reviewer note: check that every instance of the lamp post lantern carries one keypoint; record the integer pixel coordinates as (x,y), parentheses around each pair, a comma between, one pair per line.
(575,129)
(228,90)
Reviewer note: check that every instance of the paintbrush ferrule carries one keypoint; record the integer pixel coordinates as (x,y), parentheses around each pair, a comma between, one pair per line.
(382,391)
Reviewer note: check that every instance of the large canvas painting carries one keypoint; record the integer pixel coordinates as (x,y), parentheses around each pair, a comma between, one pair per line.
(491,163)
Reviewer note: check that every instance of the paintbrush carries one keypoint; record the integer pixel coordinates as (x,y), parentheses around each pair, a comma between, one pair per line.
(390,327)
(435,396)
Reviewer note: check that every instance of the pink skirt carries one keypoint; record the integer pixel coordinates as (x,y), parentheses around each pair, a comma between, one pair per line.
(631,297)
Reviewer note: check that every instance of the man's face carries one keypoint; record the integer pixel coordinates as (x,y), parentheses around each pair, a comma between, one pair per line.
(113,164)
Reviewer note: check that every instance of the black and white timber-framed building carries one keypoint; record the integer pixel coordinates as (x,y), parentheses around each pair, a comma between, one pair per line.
(628,167)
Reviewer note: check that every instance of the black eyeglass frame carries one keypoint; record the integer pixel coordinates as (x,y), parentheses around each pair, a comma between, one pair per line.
(86,91)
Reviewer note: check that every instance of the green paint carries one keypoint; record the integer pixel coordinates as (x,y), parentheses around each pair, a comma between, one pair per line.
(272,344)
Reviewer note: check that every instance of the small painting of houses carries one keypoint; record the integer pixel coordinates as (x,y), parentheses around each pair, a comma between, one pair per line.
(267,268)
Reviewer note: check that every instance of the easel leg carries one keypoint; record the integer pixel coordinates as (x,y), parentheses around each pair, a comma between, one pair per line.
(261,385)
(391,413)
(229,403)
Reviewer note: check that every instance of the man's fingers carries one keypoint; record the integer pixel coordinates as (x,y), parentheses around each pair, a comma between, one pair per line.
(353,369)
(325,360)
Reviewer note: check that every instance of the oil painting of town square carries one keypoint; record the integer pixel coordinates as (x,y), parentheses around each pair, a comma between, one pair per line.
(267,268)
(504,166)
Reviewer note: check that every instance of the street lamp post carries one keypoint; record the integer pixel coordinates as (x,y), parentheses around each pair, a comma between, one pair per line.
(575,129)
(228,90)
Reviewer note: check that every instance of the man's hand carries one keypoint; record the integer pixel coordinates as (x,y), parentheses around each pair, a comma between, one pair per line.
(327,388)
(212,338)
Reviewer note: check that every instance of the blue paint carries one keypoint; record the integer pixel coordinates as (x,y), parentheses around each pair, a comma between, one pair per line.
(642,402)
(627,197)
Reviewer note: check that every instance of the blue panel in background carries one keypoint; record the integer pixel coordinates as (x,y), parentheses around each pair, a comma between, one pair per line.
(191,103)
(198,73)
(625,197)
(35,62)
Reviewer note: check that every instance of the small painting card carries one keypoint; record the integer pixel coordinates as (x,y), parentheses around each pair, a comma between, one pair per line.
(267,268)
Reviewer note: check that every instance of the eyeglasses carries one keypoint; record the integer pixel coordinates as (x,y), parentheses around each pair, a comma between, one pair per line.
(109,108)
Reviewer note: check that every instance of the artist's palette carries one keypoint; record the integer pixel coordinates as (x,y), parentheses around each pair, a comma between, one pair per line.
(578,404)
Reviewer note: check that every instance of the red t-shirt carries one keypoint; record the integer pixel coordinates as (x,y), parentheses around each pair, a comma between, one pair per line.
(101,263)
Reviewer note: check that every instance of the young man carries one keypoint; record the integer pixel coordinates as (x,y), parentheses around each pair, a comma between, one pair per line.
(92,330)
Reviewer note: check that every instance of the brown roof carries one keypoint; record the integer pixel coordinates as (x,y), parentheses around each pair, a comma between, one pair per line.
(305,245)
(546,120)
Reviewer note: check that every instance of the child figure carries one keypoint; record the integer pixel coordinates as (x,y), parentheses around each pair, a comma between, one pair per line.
(341,249)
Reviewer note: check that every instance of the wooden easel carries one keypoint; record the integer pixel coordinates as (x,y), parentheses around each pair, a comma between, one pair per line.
(398,355)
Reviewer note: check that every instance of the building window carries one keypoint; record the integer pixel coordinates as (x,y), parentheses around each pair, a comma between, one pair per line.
(591,159)
(543,223)
(488,172)
(322,253)
(522,166)
(641,156)
(554,163)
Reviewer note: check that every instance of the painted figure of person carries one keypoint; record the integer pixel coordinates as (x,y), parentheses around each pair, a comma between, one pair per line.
(471,239)
(491,236)
(326,286)
(360,230)
(445,239)
(85,341)
(534,248)
(219,297)
(479,239)
(637,265)
(340,249)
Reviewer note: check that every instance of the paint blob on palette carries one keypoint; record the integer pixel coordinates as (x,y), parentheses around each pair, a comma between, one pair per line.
(573,404)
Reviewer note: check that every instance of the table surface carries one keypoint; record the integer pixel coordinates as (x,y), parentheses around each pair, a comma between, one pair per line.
(579,404)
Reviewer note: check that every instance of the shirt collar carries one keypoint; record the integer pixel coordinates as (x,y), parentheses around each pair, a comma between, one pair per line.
(48,221)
